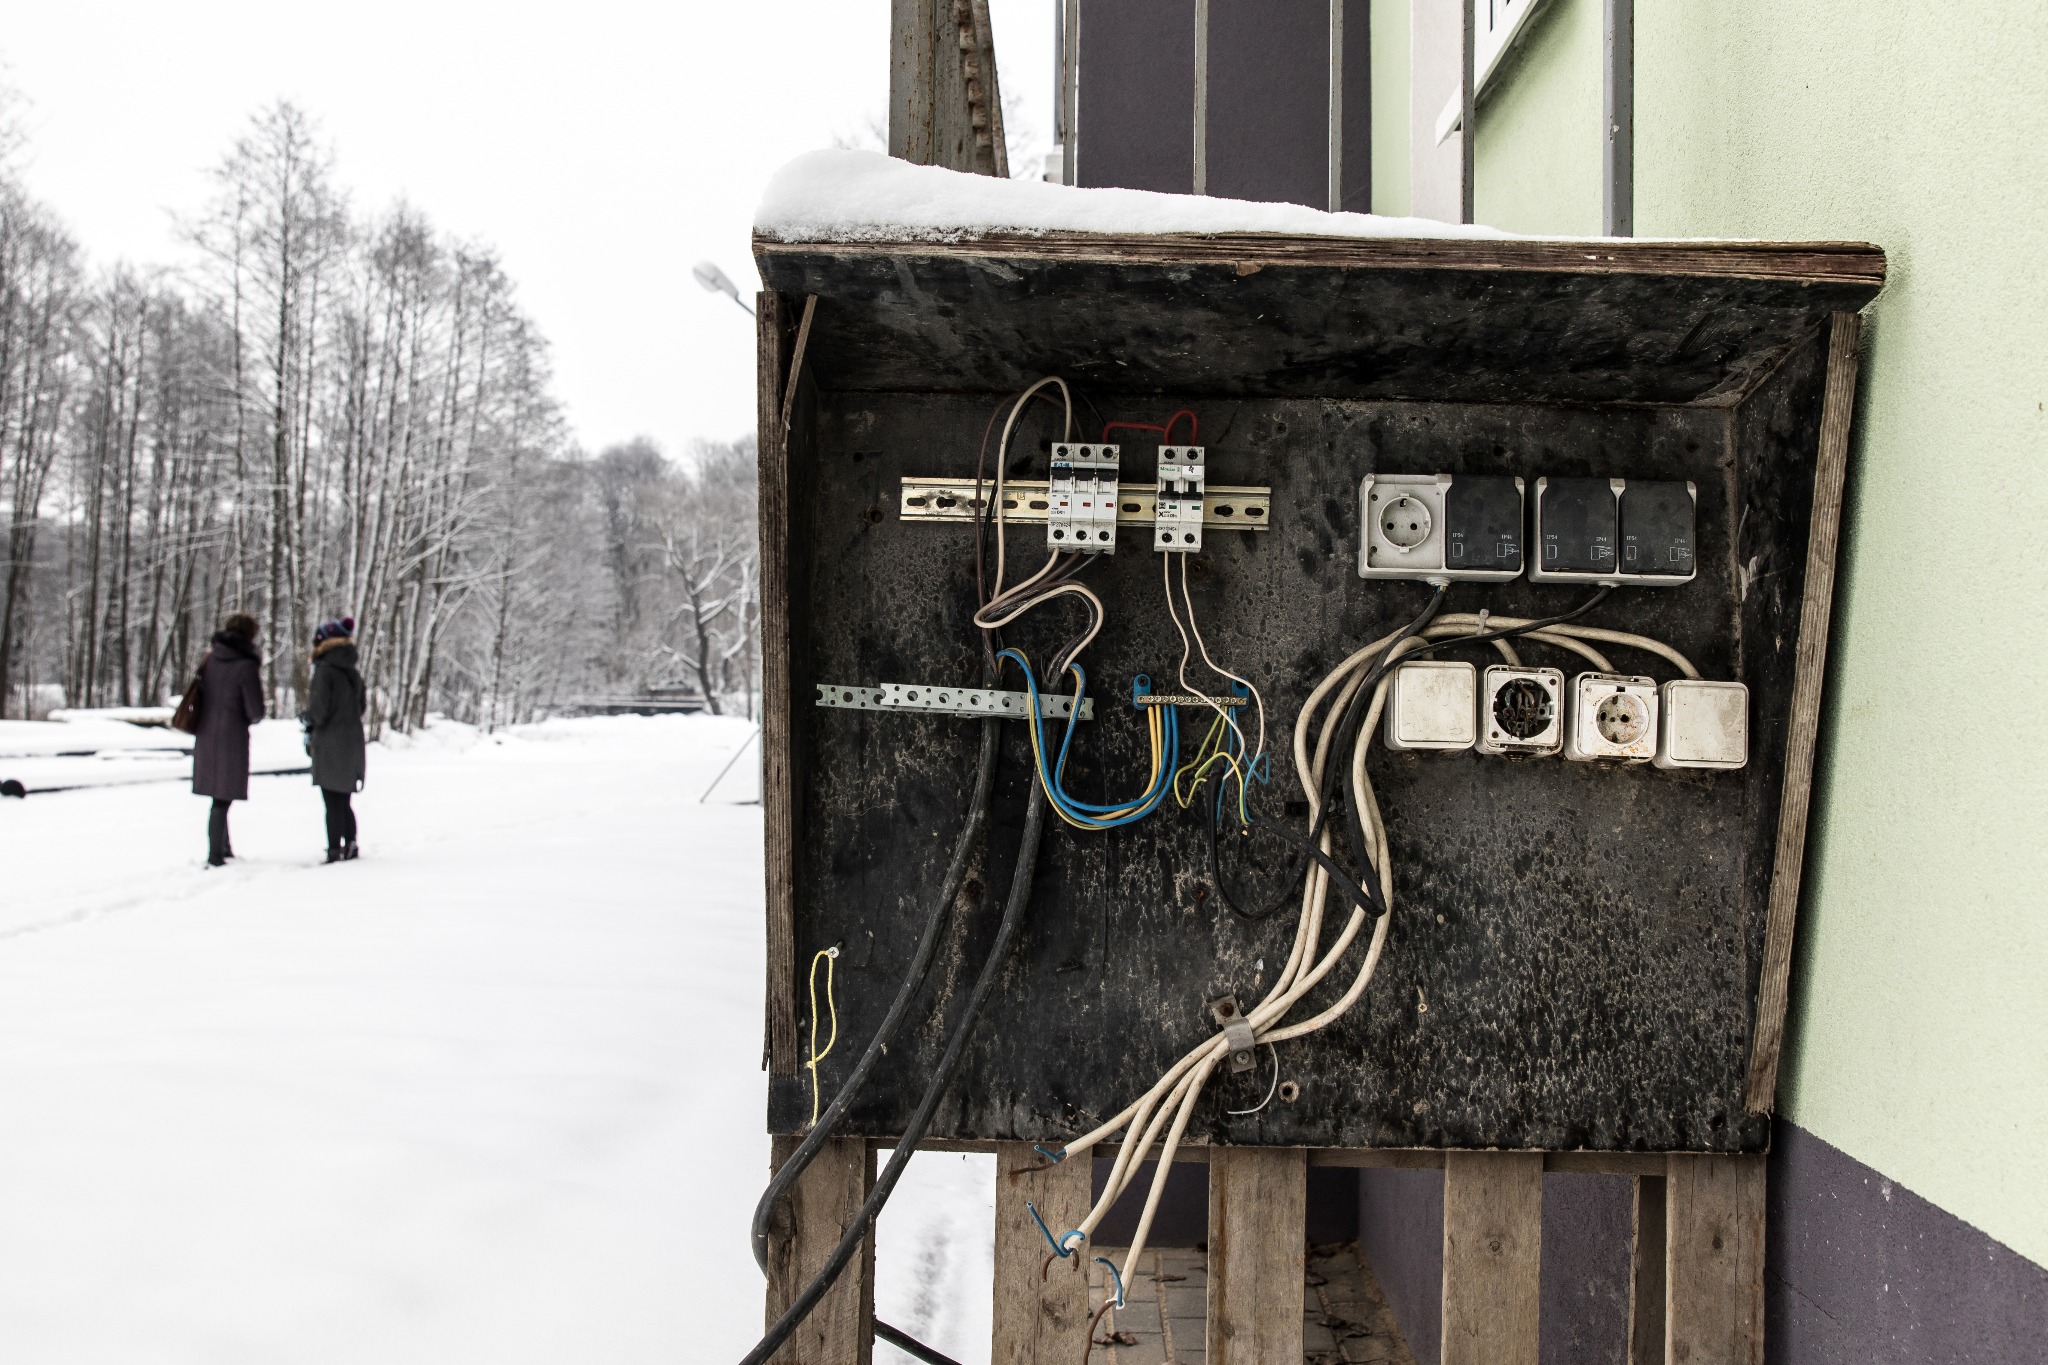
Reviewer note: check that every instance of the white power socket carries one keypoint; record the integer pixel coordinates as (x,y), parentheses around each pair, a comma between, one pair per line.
(1705,725)
(1521,710)
(1611,716)
(1432,704)
(1415,526)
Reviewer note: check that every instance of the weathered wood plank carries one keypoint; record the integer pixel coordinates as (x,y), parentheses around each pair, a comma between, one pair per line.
(1041,1303)
(1258,1201)
(1815,262)
(1714,1273)
(1493,1250)
(1837,410)
(1646,1274)
(778,783)
(840,1331)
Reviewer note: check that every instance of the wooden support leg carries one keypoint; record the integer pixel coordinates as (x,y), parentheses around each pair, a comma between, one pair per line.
(1646,1274)
(841,1331)
(1714,1276)
(1258,1207)
(1493,1257)
(1041,1309)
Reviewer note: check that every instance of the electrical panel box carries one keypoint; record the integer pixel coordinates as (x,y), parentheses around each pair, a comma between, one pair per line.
(1521,710)
(1705,725)
(1432,704)
(1083,495)
(1611,716)
(1440,527)
(1615,531)
(1177,506)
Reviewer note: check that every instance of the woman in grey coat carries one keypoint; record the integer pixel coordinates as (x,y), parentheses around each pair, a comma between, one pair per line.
(334,730)
(230,701)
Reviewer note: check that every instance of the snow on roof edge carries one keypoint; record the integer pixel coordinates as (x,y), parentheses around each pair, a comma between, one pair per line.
(853,196)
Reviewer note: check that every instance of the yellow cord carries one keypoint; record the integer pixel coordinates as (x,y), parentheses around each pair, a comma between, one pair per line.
(828,956)
(1155,729)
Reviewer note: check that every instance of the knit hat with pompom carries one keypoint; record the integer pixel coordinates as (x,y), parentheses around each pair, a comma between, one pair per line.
(339,629)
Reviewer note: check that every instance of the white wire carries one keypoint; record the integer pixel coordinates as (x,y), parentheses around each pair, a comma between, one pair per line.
(1187,650)
(1253,751)
(1002,461)
(1271,1090)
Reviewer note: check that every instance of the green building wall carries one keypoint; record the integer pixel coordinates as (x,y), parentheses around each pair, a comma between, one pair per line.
(1920,1024)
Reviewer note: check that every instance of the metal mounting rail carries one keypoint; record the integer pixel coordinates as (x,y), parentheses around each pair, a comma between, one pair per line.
(952,701)
(1027,500)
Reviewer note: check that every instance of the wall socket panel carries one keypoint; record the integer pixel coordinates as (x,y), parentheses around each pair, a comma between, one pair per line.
(1082,496)
(1521,711)
(1610,716)
(1615,531)
(1177,507)
(1705,725)
(1440,527)
(1432,704)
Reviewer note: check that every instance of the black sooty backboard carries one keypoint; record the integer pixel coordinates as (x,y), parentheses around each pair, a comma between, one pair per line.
(1577,951)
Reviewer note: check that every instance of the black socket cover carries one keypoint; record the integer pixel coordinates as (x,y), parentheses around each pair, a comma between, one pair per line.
(1483,523)
(1577,519)
(1657,529)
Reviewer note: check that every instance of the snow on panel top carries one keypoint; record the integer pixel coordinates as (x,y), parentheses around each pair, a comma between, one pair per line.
(851,196)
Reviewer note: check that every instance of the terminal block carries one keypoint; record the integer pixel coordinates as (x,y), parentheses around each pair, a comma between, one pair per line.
(1177,508)
(1440,527)
(1083,493)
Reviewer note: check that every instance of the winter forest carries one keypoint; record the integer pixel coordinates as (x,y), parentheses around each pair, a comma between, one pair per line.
(322,412)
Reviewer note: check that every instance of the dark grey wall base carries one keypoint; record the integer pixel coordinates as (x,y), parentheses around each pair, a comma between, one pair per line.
(1858,1270)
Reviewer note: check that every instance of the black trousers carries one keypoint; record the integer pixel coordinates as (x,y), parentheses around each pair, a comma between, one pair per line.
(341,819)
(218,849)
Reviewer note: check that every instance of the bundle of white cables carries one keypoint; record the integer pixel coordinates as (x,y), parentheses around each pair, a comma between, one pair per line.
(1170,1102)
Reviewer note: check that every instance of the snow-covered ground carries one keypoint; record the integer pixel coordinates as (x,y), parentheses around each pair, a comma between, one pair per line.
(489,1094)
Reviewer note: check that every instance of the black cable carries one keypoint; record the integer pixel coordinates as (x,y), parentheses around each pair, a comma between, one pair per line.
(942,1078)
(913,980)
(910,1345)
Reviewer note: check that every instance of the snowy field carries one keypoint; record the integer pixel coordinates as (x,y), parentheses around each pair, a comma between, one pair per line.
(490,1094)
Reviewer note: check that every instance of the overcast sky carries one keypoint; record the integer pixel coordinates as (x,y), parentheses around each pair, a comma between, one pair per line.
(602,148)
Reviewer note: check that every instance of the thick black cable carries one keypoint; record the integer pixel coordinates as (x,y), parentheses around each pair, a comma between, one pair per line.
(941,1081)
(913,980)
(910,1345)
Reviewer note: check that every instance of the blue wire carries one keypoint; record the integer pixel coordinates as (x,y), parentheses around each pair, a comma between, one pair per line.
(1104,1260)
(1054,1157)
(1030,1209)
(1081,812)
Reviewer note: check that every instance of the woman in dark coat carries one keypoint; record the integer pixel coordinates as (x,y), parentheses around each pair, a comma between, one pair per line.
(334,730)
(230,701)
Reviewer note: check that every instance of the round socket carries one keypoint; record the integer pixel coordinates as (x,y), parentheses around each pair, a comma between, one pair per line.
(1621,718)
(1522,709)
(1405,522)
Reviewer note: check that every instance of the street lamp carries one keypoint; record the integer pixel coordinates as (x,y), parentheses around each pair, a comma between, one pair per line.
(714,280)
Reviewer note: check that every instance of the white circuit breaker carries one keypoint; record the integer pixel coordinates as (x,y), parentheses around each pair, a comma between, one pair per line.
(1177,508)
(1432,704)
(1705,725)
(1521,710)
(1610,716)
(1081,515)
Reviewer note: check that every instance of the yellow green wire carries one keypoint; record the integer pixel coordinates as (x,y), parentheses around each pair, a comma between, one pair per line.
(828,956)
(1153,732)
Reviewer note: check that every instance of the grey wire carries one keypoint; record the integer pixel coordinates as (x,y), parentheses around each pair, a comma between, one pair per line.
(1271,1090)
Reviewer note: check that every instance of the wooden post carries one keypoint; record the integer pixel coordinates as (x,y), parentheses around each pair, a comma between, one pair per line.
(1040,1308)
(1714,1274)
(1646,1274)
(778,780)
(1493,1257)
(841,1330)
(1258,1246)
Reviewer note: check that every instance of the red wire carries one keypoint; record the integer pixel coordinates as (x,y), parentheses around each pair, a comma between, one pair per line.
(1108,427)
(1194,428)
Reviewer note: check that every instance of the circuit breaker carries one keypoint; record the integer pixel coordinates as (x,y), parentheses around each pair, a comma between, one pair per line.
(1177,503)
(1082,497)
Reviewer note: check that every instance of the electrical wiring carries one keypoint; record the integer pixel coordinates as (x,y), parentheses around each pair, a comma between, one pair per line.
(1163,729)
(1003,457)
(1271,1090)
(828,956)
(1214,667)
(941,1080)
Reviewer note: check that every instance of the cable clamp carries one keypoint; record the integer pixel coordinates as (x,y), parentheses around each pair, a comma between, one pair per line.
(1237,1032)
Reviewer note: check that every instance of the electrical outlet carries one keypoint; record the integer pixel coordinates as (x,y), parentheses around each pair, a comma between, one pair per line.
(1432,704)
(1440,527)
(1705,725)
(1521,710)
(1082,497)
(1610,716)
(1615,531)
(1177,507)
